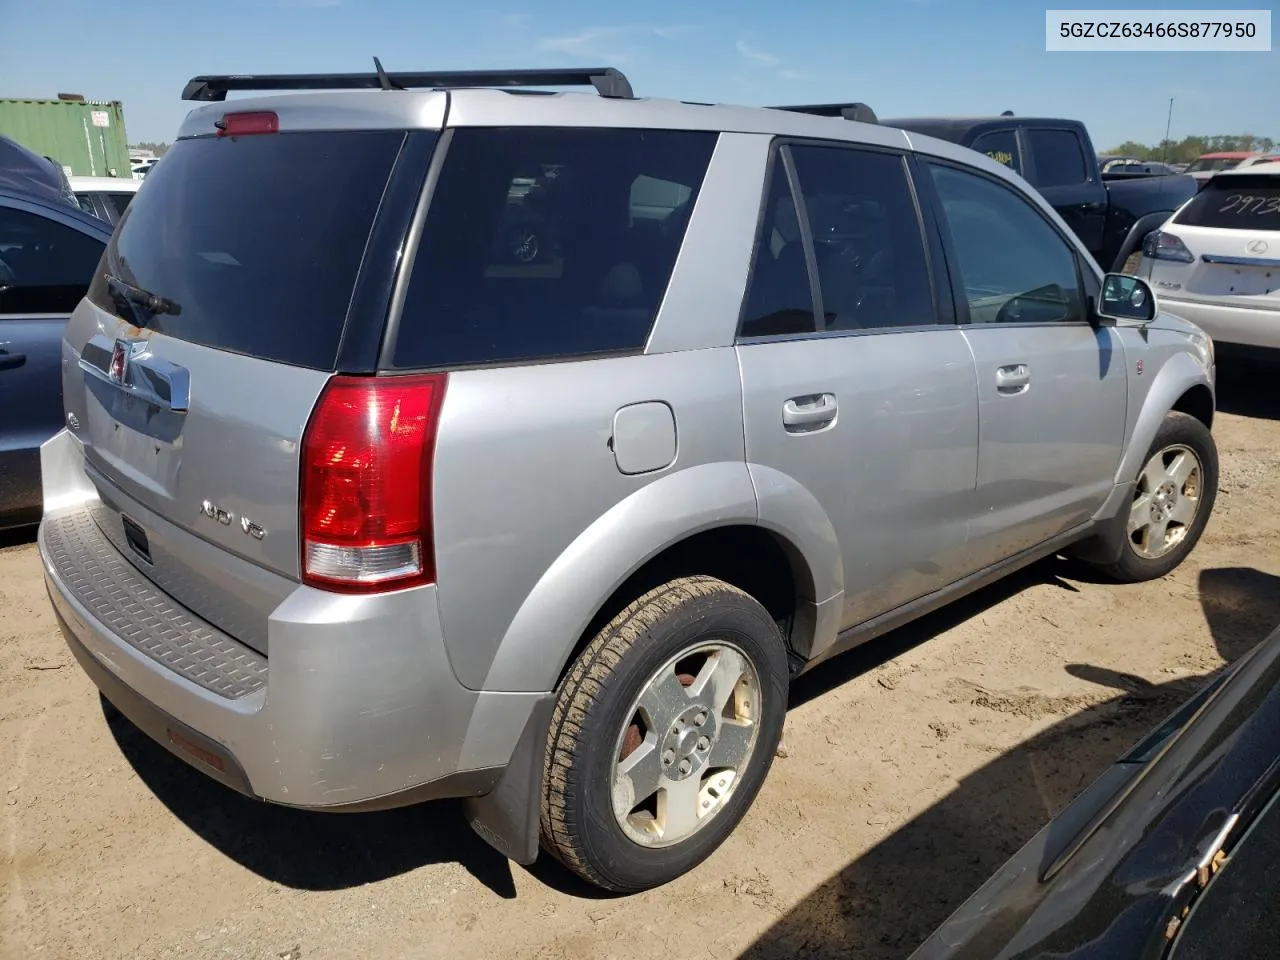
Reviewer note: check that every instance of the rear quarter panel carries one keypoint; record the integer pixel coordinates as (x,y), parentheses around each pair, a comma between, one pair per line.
(535,525)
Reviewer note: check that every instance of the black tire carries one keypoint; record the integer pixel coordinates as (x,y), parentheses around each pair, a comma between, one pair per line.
(1185,430)
(578,825)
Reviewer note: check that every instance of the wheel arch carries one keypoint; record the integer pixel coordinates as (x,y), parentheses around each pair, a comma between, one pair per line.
(1181,385)
(701,520)
(1134,237)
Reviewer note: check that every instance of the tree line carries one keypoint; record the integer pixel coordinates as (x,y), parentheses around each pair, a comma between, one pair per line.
(156,148)
(1188,148)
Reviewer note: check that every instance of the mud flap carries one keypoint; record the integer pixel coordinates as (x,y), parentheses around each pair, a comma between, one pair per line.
(506,818)
(1108,541)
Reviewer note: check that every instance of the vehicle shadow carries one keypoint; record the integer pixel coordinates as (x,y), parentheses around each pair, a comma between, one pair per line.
(889,900)
(328,851)
(306,850)
(1247,390)
(18,536)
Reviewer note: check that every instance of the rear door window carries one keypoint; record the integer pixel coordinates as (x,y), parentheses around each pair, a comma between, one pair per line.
(45,266)
(1002,147)
(1058,156)
(867,242)
(1236,202)
(779,299)
(545,243)
(258,239)
(119,202)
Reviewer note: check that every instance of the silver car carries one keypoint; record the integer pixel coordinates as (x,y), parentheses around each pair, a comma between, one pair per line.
(359,505)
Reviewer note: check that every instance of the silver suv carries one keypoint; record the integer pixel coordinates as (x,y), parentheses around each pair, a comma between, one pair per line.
(436,441)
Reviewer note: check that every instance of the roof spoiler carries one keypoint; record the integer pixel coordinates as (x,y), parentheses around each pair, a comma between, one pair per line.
(849,111)
(608,81)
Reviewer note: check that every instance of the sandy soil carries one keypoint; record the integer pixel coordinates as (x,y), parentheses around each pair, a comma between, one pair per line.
(912,769)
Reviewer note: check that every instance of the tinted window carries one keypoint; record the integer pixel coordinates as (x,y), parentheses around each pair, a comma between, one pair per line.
(1214,163)
(1015,267)
(654,199)
(1002,147)
(1059,157)
(45,267)
(86,203)
(1234,202)
(867,242)
(257,238)
(545,243)
(779,295)
(119,201)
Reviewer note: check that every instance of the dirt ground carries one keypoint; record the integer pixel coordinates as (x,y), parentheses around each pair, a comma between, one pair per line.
(912,768)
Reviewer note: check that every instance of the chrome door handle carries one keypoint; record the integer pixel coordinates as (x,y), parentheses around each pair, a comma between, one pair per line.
(807,413)
(1013,379)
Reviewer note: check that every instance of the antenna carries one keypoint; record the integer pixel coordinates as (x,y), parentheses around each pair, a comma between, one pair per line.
(383,79)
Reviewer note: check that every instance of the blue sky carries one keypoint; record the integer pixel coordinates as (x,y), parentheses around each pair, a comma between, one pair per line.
(904,57)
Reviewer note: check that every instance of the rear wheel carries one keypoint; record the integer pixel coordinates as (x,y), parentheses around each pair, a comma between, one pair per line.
(1172,500)
(662,735)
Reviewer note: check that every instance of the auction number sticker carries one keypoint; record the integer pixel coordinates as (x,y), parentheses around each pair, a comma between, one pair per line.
(1157,30)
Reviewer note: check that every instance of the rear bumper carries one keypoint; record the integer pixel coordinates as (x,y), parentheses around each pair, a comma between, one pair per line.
(357,707)
(1246,326)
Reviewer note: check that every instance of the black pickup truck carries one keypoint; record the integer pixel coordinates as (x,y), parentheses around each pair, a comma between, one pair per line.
(1110,213)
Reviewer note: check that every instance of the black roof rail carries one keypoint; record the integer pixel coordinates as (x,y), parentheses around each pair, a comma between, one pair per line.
(849,111)
(608,81)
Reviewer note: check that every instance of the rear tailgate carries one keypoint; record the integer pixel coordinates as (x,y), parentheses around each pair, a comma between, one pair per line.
(1232,227)
(191,407)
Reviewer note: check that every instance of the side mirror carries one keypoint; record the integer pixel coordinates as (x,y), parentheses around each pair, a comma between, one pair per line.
(1126,300)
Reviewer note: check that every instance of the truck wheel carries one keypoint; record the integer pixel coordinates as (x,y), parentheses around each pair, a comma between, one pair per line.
(1172,500)
(662,733)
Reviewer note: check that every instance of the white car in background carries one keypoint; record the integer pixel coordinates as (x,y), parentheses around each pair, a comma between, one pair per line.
(1216,261)
(105,197)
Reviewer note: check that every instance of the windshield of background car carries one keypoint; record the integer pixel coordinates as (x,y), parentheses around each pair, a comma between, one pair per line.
(257,238)
(1235,202)
(1213,163)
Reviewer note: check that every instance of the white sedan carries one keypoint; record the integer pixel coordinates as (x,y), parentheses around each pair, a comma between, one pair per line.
(105,197)
(1216,261)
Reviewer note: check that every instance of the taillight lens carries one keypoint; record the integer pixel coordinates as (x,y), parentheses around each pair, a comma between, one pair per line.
(366,483)
(1159,245)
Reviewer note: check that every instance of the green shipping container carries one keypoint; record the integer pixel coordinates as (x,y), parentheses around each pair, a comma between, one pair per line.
(85,136)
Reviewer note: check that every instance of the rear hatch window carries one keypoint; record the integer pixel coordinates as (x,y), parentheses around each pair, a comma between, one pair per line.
(256,239)
(546,243)
(1236,202)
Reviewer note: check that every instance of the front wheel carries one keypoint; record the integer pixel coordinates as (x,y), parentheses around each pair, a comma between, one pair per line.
(1172,500)
(662,734)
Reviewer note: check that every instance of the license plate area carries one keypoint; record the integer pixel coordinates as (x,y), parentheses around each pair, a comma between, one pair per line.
(136,537)
(1238,280)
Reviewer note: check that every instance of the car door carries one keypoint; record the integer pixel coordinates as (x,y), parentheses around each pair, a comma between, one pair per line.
(1052,385)
(46,263)
(857,385)
(1062,170)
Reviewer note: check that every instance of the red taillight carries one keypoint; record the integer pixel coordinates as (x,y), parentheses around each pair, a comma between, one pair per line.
(366,483)
(249,122)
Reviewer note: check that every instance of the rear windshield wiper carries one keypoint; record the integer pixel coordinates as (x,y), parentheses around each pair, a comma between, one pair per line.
(153,303)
